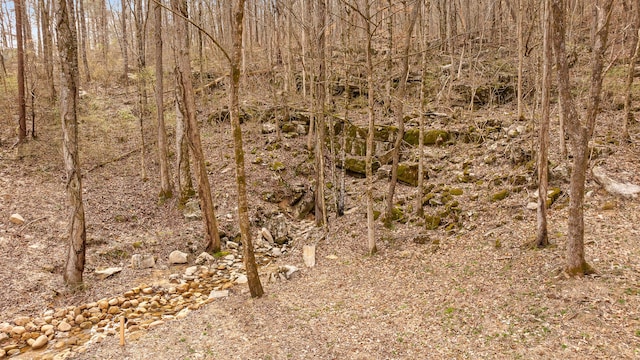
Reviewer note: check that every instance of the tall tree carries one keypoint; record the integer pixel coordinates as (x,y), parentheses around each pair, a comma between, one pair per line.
(320,98)
(68,51)
(370,29)
(125,42)
(255,287)
(47,46)
(542,239)
(22,106)
(398,109)
(83,39)
(633,60)
(139,16)
(183,72)
(579,131)
(165,182)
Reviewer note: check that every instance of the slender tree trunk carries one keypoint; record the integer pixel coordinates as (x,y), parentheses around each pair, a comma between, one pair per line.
(398,102)
(423,89)
(635,43)
(212,237)
(83,40)
(165,182)
(47,45)
(185,183)
(141,80)
(125,41)
(320,98)
(255,287)
(68,51)
(542,239)
(579,131)
(371,240)
(22,106)
(104,31)
(521,56)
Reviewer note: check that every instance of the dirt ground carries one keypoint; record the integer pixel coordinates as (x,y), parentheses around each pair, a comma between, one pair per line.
(472,292)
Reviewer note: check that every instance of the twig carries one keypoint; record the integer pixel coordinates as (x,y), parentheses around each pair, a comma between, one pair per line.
(29,223)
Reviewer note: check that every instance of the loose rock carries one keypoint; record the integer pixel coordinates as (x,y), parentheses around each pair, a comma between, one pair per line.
(41,341)
(178,257)
(105,273)
(204,257)
(16,219)
(139,261)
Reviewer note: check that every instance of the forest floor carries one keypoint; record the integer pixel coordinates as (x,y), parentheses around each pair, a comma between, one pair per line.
(471,291)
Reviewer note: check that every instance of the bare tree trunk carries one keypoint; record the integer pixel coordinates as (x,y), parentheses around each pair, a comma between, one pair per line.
(579,132)
(83,40)
(125,41)
(165,182)
(423,89)
(212,237)
(22,106)
(68,51)
(371,240)
(47,45)
(255,287)
(521,56)
(185,183)
(141,80)
(104,31)
(398,102)
(542,239)
(320,206)
(635,43)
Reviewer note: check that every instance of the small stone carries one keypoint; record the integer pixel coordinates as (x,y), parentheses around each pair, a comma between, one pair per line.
(156,323)
(276,252)
(266,234)
(232,245)
(112,302)
(242,279)
(13,352)
(178,257)
(309,255)
(47,329)
(103,304)
(182,287)
(41,341)
(139,261)
(203,258)
(16,219)
(147,290)
(86,325)
(5,327)
(230,257)
(2,353)
(532,206)
(289,271)
(3,337)
(79,319)
(18,330)
(105,273)
(331,257)
(59,345)
(113,310)
(191,270)
(217,294)
(22,320)
(64,326)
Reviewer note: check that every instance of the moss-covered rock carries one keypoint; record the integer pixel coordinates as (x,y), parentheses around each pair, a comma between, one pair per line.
(408,173)
(432,221)
(552,195)
(456,192)
(357,165)
(277,166)
(500,195)
(289,127)
(430,137)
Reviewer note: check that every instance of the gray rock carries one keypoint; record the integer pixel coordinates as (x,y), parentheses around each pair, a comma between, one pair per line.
(301,129)
(532,206)
(192,210)
(266,234)
(178,257)
(190,270)
(217,294)
(241,279)
(105,273)
(139,261)
(232,245)
(268,128)
(289,271)
(204,258)
(276,252)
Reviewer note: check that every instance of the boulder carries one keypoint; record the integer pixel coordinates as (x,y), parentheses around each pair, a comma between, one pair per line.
(192,210)
(178,257)
(139,261)
(205,257)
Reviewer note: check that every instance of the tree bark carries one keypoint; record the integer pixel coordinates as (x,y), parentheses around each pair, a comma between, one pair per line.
(255,287)
(320,98)
(371,240)
(183,72)
(47,45)
(542,239)
(125,42)
(579,131)
(83,40)
(635,44)
(166,191)
(68,51)
(22,106)
(398,102)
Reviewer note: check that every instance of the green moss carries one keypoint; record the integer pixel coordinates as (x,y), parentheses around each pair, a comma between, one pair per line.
(137,244)
(552,195)
(398,215)
(408,173)
(277,166)
(221,254)
(432,221)
(609,205)
(456,192)
(500,195)
(376,214)
(430,137)
(358,165)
